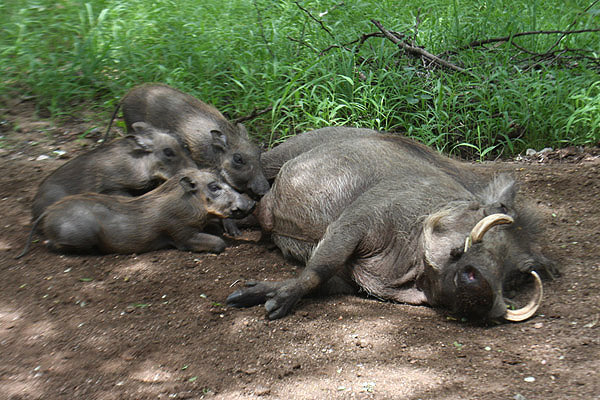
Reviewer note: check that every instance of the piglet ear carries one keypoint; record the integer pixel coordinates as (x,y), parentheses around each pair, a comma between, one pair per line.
(219,140)
(188,184)
(140,126)
(242,131)
(141,143)
(141,138)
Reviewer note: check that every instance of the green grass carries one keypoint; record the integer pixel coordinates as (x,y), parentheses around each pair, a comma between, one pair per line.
(241,55)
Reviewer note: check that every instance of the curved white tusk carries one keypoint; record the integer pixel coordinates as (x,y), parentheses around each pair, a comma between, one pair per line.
(484,225)
(526,312)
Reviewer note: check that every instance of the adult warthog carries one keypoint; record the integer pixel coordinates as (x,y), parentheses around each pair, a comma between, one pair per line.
(388,216)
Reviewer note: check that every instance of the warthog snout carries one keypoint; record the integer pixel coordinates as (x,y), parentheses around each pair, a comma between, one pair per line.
(242,208)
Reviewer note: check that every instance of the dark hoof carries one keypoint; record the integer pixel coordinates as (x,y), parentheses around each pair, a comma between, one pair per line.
(280,303)
(231,228)
(254,294)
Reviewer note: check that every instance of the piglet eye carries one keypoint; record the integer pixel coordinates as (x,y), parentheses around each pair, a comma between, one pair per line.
(214,187)
(238,159)
(169,152)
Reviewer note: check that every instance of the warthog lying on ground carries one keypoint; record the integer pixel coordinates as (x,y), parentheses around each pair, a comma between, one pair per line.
(214,142)
(130,166)
(388,216)
(174,214)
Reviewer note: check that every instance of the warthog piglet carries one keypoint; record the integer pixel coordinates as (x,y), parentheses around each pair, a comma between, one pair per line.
(174,214)
(132,165)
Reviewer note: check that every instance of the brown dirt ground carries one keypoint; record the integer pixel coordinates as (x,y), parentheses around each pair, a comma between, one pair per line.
(154,325)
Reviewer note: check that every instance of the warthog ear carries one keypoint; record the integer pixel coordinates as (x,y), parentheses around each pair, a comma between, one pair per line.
(140,126)
(188,184)
(143,143)
(242,131)
(441,238)
(219,140)
(502,190)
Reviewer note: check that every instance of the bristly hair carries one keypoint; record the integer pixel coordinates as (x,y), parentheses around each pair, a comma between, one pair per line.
(503,188)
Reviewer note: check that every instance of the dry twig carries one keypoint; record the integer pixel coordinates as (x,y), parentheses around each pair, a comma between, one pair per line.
(482,42)
(360,41)
(315,19)
(571,25)
(417,51)
(255,113)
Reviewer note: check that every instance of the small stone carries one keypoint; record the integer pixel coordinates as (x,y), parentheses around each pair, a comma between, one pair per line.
(529,379)
(5,246)
(262,390)
(250,371)
(128,355)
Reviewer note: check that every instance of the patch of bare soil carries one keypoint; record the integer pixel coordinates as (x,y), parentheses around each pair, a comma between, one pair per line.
(154,325)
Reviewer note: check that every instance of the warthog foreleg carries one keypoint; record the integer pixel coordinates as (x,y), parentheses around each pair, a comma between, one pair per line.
(199,242)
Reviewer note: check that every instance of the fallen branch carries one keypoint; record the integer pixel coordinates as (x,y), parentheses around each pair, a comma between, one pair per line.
(408,44)
(255,113)
(315,19)
(482,42)
(360,41)
(572,25)
(419,52)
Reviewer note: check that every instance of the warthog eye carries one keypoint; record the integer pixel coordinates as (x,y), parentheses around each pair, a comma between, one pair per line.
(169,152)
(214,187)
(238,159)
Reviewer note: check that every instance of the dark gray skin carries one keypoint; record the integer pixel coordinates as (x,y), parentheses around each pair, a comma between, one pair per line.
(172,215)
(132,165)
(273,160)
(214,142)
(389,217)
